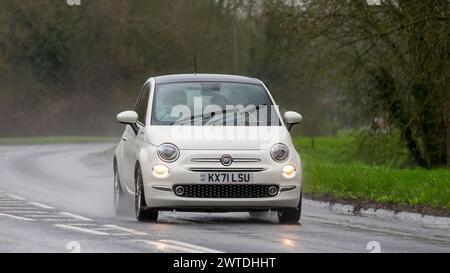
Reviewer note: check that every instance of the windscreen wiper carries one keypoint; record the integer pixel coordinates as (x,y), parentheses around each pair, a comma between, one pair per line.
(202,116)
(240,115)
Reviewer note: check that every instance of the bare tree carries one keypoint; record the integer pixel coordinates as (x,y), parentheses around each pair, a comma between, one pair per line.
(402,49)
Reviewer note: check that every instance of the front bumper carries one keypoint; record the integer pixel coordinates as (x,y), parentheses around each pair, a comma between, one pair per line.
(159,192)
(156,197)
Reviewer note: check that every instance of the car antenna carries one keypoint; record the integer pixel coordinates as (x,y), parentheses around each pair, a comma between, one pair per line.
(195,65)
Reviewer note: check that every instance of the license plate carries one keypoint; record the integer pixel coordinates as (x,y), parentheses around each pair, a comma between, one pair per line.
(226,178)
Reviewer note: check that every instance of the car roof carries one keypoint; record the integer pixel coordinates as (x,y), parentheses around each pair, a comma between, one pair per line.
(204,78)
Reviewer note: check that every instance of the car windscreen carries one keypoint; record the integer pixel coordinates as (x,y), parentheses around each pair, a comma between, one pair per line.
(214,104)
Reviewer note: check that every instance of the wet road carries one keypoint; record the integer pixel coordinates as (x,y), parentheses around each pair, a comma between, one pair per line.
(58,198)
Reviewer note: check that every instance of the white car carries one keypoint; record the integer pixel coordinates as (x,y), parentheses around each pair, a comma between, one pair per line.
(208,143)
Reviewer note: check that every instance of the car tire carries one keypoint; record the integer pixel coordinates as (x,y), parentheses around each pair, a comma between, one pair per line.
(143,213)
(291,215)
(120,204)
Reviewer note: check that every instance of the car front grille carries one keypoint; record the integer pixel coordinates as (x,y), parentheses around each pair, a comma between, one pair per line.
(217,159)
(224,170)
(225,191)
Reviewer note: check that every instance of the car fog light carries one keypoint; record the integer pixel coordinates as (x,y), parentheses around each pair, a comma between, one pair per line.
(179,190)
(288,171)
(161,171)
(273,191)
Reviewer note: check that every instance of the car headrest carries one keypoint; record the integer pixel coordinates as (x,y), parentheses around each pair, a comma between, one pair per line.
(238,97)
(173,97)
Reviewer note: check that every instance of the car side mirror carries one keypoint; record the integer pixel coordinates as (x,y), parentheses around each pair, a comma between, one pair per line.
(292,118)
(127,117)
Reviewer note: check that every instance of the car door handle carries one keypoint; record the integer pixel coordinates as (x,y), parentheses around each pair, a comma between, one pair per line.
(124,138)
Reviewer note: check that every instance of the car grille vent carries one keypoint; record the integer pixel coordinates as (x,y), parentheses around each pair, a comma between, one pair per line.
(226,191)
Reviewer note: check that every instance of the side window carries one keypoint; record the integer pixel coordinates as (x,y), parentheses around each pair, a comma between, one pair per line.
(142,103)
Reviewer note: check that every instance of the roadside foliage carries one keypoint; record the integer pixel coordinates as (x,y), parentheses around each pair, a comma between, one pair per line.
(383,68)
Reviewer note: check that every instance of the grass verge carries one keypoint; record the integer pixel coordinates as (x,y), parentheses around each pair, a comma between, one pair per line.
(333,171)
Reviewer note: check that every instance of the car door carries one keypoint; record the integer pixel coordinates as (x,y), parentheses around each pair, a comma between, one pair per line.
(138,140)
(133,137)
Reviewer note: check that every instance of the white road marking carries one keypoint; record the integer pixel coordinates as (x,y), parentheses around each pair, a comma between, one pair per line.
(15,217)
(15,207)
(3,209)
(131,231)
(83,225)
(167,247)
(45,216)
(44,206)
(183,244)
(24,211)
(58,220)
(78,217)
(102,229)
(13,196)
(85,230)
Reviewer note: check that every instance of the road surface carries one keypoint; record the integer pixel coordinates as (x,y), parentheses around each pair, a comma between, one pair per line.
(58,198)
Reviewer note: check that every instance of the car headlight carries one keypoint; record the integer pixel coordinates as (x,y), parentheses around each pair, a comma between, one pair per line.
(168,152)
(160,171)
(279,152)
(289,171)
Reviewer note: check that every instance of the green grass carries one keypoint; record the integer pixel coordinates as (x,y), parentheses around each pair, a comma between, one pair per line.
(55,140)
(334,168)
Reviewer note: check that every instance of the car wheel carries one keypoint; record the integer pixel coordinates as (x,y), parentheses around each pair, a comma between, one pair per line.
(291,215)
(119,198)
(143,214)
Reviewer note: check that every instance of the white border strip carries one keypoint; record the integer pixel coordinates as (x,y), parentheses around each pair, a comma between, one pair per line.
(45,216)
(13,196)
(75,216)
(16,217)
(15,206)
(25,211)
(40,205)
(132,231)
(85,230)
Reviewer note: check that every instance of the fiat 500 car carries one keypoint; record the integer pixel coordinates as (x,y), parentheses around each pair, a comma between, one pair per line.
(208,143)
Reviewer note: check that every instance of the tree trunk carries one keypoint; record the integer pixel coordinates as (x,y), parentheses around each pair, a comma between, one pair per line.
(448,143)
(447,126)
(414,148)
